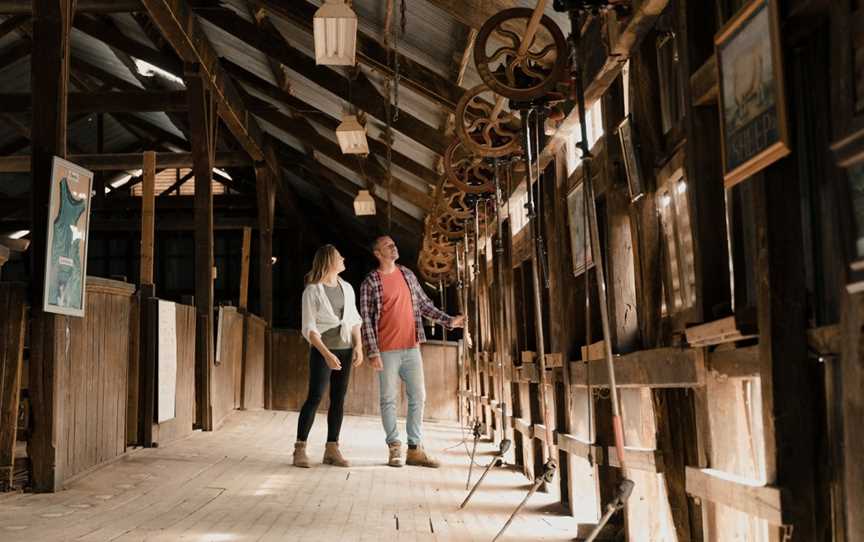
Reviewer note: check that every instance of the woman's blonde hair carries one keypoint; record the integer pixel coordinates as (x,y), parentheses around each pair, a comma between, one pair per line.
(324,258)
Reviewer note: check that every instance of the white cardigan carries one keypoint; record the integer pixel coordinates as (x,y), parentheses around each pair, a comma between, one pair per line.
(318,314)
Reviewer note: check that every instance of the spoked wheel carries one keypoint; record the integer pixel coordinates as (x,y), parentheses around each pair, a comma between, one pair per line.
(468,172)
(482,129)
(515,70)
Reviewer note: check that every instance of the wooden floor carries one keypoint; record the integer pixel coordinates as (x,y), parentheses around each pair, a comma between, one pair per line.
(238,484)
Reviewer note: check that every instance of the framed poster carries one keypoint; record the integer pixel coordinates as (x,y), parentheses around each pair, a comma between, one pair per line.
(752,100)
(66,250)
(631,160)
(577,221)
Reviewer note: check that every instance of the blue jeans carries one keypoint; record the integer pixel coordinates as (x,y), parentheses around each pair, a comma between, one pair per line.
(406,365)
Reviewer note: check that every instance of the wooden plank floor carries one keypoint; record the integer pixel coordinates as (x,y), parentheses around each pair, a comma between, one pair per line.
(238,484)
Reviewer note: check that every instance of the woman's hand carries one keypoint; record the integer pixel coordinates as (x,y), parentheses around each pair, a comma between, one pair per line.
(357,356)
(332,361)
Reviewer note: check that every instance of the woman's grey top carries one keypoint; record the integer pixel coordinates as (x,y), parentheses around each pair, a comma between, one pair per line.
(332,338)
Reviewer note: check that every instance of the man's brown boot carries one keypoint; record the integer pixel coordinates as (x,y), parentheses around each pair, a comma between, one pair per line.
(418,457)
(395,459)
(332,455)
(300,457)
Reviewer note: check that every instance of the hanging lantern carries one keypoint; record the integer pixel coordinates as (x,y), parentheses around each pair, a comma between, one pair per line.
(352,136)
(364,204)
(335,29)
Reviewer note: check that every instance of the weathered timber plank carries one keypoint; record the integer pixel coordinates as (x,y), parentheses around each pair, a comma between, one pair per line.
(656,368)
(643,460)
(758,501)
(736,362)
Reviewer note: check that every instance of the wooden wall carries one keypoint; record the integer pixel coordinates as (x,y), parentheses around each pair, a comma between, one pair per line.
(252,373)
(291,379)
(91,379)
(12,320)
(184,407)
(224,373)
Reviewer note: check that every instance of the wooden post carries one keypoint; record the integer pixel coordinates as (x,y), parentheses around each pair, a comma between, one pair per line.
(99,176)
(49,74)
(148,207)
(265,187)
(244,268)
(789,399)
(202,120)
(12,305)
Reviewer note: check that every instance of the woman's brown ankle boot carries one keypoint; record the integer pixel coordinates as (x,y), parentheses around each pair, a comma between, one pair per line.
(300,457)
(332,455)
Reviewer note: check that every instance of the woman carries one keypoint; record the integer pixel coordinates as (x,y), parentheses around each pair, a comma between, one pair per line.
(331,324)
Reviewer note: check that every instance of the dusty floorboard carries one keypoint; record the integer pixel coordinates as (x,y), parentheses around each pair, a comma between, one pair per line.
(238,484)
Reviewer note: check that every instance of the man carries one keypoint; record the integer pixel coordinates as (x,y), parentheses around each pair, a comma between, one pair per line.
(392,305)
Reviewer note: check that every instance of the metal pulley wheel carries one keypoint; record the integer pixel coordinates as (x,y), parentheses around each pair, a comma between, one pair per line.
(468,172)
(517,70)
(484,127)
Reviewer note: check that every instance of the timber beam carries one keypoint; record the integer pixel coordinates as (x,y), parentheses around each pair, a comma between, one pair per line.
(370,52)
(299,107)
(302,129)
(14,7)
(183,31)
(126,101)
(656,368)
(754,500)
(125,161)
(363,93)
(343,186)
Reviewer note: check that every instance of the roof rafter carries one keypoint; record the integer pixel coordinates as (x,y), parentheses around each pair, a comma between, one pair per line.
(413,74)
(181,28)
(301,108)
(364,95)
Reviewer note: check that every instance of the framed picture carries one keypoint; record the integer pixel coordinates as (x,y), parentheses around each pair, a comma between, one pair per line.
(631,160)
(68,231)
(577,222)
(752,101)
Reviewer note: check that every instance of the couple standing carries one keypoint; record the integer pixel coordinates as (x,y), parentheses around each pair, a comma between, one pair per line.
(392,307)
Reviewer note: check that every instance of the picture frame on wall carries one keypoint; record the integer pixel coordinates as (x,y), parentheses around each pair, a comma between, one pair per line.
(632,168)
(753,119)
(68,233)
(577,225)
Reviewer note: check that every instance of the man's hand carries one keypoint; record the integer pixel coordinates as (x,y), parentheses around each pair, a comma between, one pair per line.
(376,363)
(332,361)
(357,356)
(458,321)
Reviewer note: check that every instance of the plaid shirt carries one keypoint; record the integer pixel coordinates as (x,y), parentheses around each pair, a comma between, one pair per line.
(370,309)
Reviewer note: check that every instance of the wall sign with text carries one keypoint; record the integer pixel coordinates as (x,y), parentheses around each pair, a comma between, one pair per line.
(752,99)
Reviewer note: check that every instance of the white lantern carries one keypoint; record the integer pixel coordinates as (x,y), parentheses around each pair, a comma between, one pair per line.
(335,29)
(364,205)
(352,136)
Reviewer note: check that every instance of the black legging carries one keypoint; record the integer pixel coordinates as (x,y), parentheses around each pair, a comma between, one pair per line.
(318,376)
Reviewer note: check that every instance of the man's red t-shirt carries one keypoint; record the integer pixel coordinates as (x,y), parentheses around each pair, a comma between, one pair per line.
(396,327)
